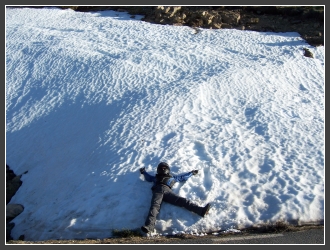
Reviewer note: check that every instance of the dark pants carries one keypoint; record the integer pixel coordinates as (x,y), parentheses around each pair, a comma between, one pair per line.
(164,193)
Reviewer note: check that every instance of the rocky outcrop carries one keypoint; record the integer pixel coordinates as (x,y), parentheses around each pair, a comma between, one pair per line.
(13,183)
(308,21)
(12,210)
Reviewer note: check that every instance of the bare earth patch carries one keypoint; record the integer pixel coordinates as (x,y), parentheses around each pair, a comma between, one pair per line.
(178,239)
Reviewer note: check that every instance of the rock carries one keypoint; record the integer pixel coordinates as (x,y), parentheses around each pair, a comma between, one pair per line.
(9,173)
(12,210)
(174,10)
(9,227)
(216,25)
(13,183)
(254,20)
(226,26)
(308,53)
(11,187)
(231,17)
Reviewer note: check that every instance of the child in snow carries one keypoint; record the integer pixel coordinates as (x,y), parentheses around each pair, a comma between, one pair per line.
(163,182)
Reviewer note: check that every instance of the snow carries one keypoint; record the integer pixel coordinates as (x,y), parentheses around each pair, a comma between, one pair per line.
(93,97)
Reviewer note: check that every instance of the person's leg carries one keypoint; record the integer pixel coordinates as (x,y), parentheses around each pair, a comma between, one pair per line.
(179,201)
(156,201)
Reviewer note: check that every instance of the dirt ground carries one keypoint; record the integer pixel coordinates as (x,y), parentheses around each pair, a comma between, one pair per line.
(177,239)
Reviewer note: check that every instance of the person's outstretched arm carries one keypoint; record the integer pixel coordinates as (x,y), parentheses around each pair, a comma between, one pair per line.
(147,176)
(185,176)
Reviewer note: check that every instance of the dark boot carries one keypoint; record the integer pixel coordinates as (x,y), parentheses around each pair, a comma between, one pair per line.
(206,209)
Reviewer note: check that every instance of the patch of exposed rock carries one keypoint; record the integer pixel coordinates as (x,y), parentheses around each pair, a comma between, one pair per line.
(13,183)
(308,21)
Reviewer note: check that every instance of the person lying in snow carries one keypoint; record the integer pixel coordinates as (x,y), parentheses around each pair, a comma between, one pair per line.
(163,183)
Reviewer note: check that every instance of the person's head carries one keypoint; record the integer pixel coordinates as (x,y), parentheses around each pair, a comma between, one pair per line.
(163,168)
